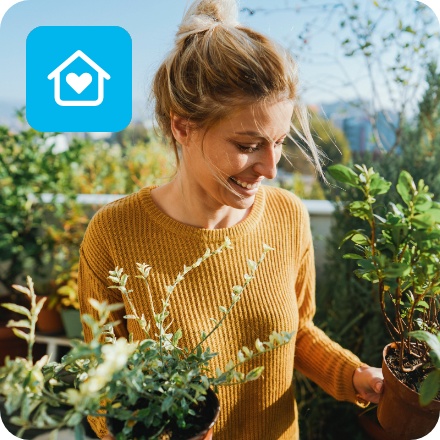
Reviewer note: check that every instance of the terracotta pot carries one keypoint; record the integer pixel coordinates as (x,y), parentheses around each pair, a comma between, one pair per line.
(369,424)
(399,411)
(49,320)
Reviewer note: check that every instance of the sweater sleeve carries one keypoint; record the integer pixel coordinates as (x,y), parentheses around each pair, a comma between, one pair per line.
(95,263)
(318,357)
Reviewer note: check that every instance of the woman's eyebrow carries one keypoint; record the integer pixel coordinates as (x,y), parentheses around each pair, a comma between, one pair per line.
(255,134)
(250,133)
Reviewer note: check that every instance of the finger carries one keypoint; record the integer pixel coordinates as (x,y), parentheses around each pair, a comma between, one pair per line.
(378,386)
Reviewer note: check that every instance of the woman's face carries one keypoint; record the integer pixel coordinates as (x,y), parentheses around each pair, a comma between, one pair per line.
(242,150)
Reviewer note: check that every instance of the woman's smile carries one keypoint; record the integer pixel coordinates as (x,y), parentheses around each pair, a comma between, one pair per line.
(245,185)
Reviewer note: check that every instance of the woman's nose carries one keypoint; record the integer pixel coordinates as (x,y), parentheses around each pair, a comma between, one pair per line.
(266,164)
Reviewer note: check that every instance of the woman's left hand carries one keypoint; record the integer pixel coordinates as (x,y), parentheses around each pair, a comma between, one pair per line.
(368,383)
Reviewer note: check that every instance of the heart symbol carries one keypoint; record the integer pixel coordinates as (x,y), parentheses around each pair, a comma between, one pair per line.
(79,83)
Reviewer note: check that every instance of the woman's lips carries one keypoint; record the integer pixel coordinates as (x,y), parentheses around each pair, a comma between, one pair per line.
(246,185)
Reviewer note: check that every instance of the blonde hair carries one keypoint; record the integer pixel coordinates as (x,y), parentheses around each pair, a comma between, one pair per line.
(218,65)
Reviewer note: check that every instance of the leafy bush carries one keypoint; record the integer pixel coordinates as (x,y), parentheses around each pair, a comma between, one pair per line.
(398,253)
(34,236)
(113,168)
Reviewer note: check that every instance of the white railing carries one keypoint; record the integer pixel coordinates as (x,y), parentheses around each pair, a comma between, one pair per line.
(320,212)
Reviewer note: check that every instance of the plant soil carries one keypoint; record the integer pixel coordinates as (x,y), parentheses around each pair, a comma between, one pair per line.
(206,413)
(413,379)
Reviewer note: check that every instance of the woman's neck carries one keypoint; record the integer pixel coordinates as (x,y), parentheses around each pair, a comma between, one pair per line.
(189,207)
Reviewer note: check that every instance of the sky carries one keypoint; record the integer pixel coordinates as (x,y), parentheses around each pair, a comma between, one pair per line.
(152,25)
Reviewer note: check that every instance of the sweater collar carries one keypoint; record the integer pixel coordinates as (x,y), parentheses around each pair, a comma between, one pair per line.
(212,235)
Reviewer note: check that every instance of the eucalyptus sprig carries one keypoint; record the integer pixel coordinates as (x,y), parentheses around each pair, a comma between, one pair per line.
(153,382)
(30,316)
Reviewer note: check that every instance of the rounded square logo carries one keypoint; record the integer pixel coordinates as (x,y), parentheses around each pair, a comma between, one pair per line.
(78,78)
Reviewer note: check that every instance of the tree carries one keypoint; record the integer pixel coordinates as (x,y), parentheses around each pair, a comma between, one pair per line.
(381,51)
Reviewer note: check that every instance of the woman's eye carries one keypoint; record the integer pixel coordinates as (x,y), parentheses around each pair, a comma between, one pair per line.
(247,149)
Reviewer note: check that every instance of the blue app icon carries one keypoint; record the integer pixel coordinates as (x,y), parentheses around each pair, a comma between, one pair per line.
(78,78)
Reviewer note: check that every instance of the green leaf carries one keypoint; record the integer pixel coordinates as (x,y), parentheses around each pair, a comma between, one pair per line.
(22,323)
(434,213)
(395,270)
(343,174)
(75,419)
(20,334)
(252,265)
(176,337)
(361,239)
(430,387)
(353,257)
(167,403)
(17,309)
(422,202)
(22,289)
(255,373)
(423,304)
(114,307)
(422,221)
(432,340)
(79,432)
(367,265)
(230,365)
(379,185)
(40,305)
(349,235)
(360,209)
(406,187)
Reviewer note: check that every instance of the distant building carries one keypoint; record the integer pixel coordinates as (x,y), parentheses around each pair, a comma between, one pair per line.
(355,124)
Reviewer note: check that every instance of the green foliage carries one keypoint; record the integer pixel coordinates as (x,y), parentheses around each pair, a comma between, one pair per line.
(347,305)
(154,383)
(44,238)
(399,253)
(113,168)
(31,231)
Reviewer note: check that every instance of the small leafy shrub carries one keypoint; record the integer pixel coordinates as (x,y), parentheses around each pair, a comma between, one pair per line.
(153,383)
(399,254)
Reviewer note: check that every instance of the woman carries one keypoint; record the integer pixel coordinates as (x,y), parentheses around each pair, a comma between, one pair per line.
(225,98)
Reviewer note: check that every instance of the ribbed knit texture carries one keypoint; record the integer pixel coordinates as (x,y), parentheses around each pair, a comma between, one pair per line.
(281,297)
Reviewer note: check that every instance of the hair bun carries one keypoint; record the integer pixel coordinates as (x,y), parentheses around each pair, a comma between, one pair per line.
(203,15)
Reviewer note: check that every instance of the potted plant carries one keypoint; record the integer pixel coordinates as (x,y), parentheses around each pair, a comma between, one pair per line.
(146,388)
(400,254)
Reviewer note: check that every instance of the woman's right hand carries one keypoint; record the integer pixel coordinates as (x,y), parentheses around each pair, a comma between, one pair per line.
(108,437)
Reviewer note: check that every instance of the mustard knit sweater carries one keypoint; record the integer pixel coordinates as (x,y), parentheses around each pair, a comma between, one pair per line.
(281,297)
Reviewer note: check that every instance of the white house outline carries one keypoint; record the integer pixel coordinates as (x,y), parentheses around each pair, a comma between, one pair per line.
(56,76)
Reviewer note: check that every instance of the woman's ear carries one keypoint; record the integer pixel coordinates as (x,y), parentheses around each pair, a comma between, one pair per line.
(180,128)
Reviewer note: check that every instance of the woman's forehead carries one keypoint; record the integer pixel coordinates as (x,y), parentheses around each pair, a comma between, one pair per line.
(256,119)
